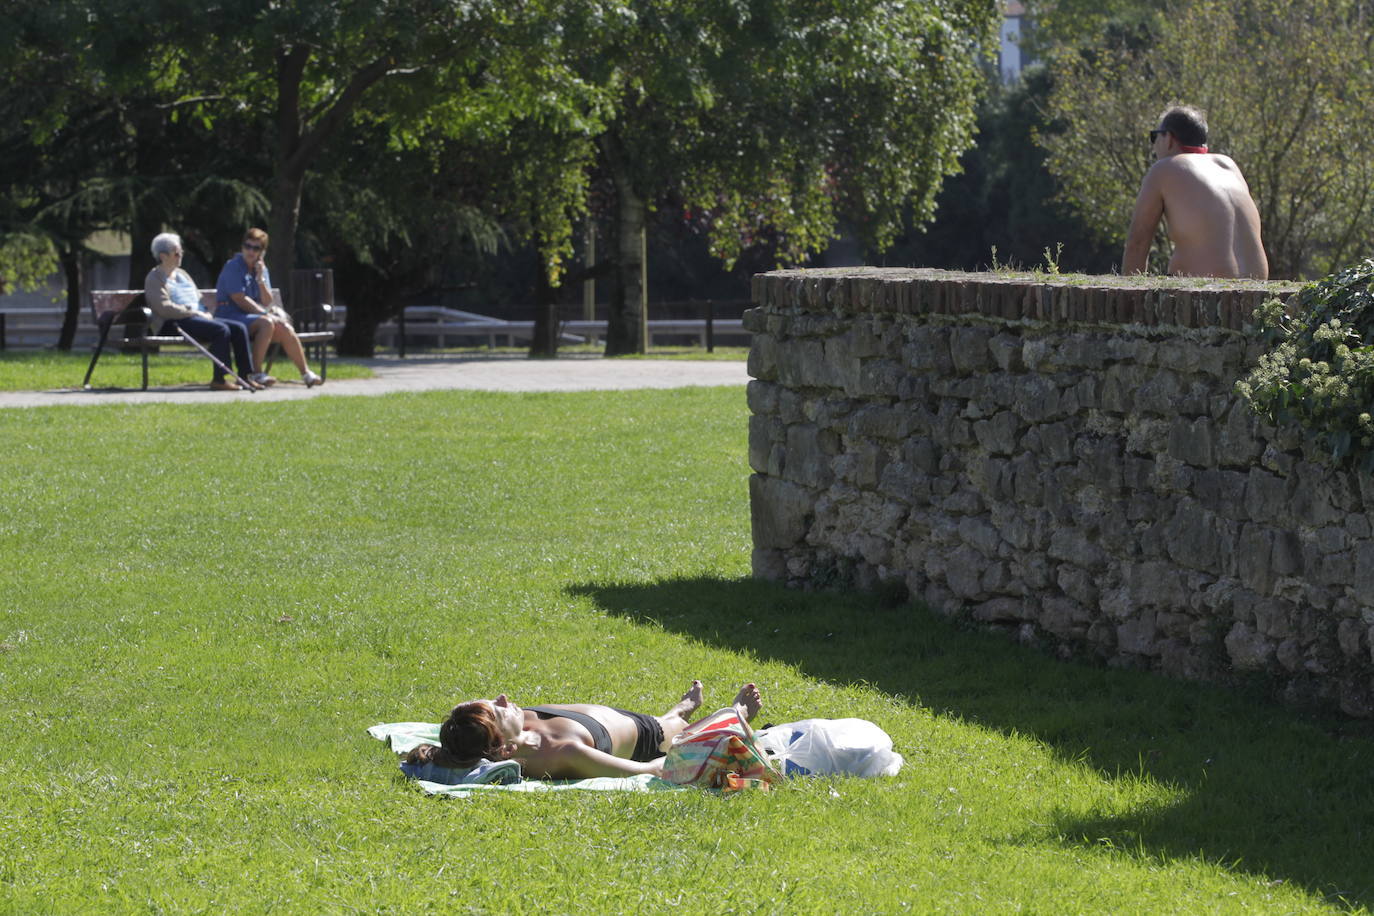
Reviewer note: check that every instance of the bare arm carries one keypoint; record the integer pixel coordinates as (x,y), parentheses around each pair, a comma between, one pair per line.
(246,303)
(1149,208)
(575,760)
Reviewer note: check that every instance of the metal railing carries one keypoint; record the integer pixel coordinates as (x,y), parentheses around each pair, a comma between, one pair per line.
(443,323)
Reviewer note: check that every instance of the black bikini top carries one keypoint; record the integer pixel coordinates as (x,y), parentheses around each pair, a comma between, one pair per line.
(600,737)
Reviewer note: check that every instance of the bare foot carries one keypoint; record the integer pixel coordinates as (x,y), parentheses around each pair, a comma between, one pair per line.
(749,698)
(690,703)
(675,720)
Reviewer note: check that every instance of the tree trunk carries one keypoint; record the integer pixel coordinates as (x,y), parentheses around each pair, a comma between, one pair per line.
(625,328)
(146,221)
(288,168)
(299,142)
(144,228)
(71,257)
(359,335)
(544,342)
(281,223)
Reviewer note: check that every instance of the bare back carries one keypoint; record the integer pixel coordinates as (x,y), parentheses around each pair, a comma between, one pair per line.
(1211,218)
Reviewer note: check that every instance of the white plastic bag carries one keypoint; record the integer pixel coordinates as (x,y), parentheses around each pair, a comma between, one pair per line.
(818,747)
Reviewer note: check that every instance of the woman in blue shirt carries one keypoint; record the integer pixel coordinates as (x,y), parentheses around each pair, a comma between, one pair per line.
(243,294)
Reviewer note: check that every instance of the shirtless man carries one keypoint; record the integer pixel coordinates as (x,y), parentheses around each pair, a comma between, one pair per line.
(1212,221)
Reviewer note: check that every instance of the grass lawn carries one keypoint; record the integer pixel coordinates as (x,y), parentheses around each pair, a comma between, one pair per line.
(44,370)
(202,608)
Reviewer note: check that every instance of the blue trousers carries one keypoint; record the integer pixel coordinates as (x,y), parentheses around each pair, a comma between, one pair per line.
(219,338)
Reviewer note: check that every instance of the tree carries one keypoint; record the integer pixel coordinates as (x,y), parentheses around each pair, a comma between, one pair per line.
(101,128)
(776,121)
(768,122)
(388,220)
(1002,204)
(54,141)
(1287,89)
(1062,24)
(511,149)
(308,67)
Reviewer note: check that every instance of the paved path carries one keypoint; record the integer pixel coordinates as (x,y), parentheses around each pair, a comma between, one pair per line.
(426,373)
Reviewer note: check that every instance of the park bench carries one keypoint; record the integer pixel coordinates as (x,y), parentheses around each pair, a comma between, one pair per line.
(127,309)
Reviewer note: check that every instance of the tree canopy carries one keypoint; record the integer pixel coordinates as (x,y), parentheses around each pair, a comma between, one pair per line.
(772,122)
(768,123)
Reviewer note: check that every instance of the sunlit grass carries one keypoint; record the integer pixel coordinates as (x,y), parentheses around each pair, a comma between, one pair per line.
(45,370)
(203,607)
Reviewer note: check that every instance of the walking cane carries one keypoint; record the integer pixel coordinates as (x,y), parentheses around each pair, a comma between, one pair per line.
(215,359)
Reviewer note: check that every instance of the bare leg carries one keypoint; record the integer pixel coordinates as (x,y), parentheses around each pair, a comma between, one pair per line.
(291,344)
(750,699)
(261,332)
(675,719)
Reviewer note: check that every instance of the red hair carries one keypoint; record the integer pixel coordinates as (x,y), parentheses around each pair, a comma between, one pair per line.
(470,733)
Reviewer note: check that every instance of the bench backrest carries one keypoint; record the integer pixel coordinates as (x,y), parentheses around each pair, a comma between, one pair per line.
(112,300)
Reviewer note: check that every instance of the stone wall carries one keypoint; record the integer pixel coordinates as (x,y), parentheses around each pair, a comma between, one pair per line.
(1062,458)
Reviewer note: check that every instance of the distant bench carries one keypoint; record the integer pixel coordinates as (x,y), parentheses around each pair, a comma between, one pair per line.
(128,309)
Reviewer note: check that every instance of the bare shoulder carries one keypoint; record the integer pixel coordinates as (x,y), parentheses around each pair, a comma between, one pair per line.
(1188,170)
(1224,173)
(1163,173)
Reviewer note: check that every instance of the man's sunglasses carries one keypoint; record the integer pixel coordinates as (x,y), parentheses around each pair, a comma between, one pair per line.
(252,246)
(1154,134)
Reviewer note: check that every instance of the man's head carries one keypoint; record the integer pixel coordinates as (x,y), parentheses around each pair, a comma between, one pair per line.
(1186,124)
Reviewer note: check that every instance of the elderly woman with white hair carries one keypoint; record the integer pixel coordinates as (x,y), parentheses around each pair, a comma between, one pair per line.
(172,295)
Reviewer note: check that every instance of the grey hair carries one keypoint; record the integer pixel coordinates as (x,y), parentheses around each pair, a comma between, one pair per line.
(165,243)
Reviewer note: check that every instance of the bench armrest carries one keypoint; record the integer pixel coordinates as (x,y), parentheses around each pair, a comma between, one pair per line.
(130,314)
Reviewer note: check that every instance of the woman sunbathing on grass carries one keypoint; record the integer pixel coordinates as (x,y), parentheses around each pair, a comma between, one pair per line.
(566,741)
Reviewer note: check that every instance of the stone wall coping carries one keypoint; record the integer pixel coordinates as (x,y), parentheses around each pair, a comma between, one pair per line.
(1150,301)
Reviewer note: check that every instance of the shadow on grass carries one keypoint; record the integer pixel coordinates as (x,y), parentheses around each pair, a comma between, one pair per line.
(1264,790)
